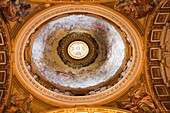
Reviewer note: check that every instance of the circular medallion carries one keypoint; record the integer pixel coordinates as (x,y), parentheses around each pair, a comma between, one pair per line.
(78,49)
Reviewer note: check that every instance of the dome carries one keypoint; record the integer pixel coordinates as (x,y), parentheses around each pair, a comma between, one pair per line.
(79,55)
(78,51)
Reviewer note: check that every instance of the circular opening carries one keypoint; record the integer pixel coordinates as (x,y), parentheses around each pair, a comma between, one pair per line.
(78,50)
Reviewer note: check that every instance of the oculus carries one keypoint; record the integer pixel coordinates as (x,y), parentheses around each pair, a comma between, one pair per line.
(78,49)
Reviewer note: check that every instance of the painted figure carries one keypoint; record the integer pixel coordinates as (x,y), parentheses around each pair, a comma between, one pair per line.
(14,10)
(136,8)
(18,105)
(140,101)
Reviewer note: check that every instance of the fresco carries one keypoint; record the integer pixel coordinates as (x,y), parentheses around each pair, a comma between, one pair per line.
(136,8)
(139,100)
(14,10)
(19,104)
(48,62)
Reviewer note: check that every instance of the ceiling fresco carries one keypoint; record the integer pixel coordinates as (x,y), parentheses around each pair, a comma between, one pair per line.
(15,10)
(110,54)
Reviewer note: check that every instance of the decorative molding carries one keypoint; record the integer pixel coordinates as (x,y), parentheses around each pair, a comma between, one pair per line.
(161,90)
(166,5)
(155,72)
(156,35)
(2,76)
(88,110)
(5,66)
(1,40)
(72,1)
(3,57)
(166,105)
(161,18)
(155,54)
(1,94)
